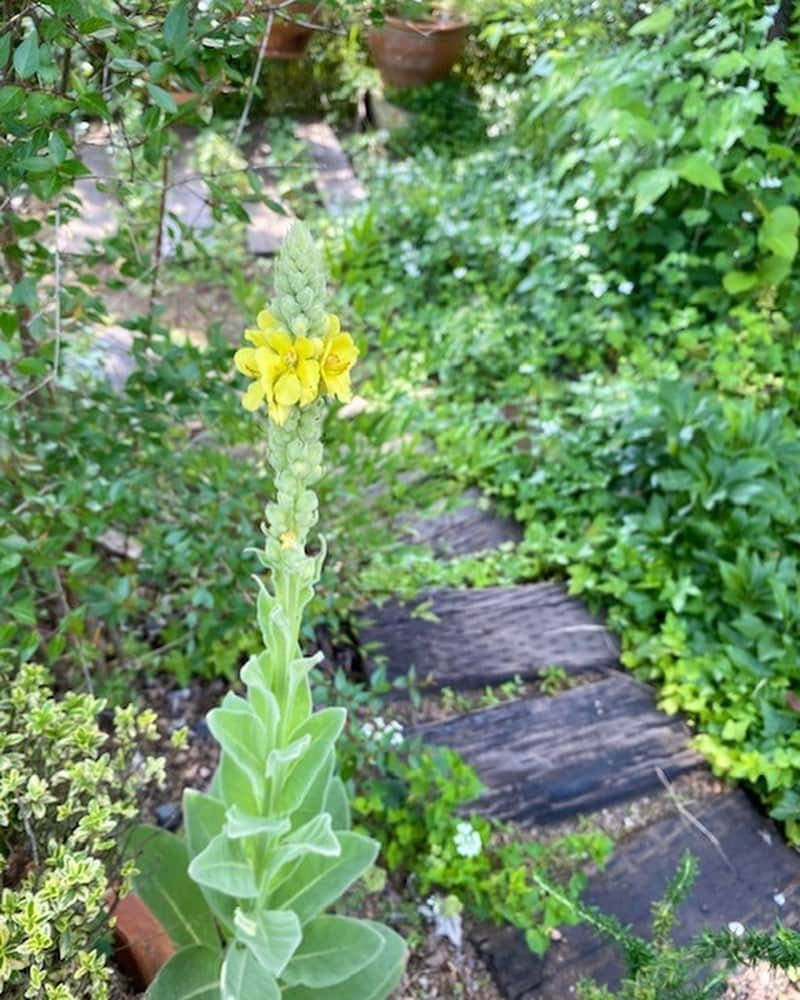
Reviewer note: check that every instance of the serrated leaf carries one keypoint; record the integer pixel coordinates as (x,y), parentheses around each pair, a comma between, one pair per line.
(333,949)
(649,185)
(698,169)
(191,974)
(655,23)
(164,885)
(778,232)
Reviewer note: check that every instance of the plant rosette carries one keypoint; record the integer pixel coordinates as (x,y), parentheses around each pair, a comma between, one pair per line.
(268,847)
(412,52)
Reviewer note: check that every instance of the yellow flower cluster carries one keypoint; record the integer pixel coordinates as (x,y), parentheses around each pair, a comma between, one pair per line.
(290,371)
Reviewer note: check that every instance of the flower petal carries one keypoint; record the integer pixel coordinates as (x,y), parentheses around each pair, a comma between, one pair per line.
(245,361)
(266,321)
(254,396)
(332,325)
(257,337)
(303,348)
(308,373)
(279,341)
(287,389)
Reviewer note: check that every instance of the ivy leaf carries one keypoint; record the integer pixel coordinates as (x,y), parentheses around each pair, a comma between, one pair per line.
(656,24)
(26,56)
(699,170)
(778,232)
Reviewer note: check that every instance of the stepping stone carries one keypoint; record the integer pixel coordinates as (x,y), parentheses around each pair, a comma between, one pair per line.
(337,184)
(546,759)
(742,886)
(469,528)
(488,635)
(266,230)
(186,202)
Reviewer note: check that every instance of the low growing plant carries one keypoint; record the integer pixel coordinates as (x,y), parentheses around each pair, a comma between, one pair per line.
(69,791)
(268,848)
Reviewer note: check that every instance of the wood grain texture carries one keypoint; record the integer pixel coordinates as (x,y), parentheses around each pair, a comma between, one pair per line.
(546,759)
(489,635)
(471,527)
(758,864)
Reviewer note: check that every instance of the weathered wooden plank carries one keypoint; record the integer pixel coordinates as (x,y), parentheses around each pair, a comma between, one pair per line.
(471,527)
(546,759)
(757,868)
(489,635)
(337,184)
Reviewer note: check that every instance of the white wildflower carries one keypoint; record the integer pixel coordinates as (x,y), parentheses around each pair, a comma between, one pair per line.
(625,287)
(467,840)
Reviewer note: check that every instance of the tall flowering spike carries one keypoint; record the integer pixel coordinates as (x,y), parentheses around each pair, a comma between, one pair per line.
(300,284)
(299,351)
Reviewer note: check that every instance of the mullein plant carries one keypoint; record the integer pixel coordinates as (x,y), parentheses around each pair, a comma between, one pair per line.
(268,848)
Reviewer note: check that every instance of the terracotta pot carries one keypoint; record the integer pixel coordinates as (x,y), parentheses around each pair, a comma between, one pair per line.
(412,53)
(288,40)
(141,945)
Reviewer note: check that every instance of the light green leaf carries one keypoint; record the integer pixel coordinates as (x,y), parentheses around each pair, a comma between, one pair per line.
(374,982)
(338,804)
(191,974)
(271,935)
(242,976)
(203,819)
(223,866)
(164,885)
(242,736)
(319,880)
(162,98)
(323,728)
(26,56)
(698,169)
(649,185)
(729,64)
(314,837)
(778,232)
(655,24)
(773,270)
(239,824)
(314,802)
(333,949)
(736,282)
(260,695)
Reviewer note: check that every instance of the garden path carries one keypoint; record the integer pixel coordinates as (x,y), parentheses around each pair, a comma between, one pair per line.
(597,748)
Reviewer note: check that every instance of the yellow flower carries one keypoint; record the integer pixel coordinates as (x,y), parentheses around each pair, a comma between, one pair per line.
(285,368)
(338,355)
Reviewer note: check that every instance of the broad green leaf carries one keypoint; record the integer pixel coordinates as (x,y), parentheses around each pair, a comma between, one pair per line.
(191,974)
(262,698)
(164,885)
(314,802)
(203,818)
(374,982)
(333,949)
(729,64)
(778,232)
(272,937)
(5,48)
(223,866)
(242,737)
(698,169)
(162,98)
(232,785)
(315,837)
(736,282)
(773,270)
(317,881)
(649,185)
(338,804)
(242,976)
(26,56)
(323,728)
(176,26)
(655,24)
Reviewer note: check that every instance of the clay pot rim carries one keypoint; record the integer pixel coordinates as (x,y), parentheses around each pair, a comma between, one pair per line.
(454,22)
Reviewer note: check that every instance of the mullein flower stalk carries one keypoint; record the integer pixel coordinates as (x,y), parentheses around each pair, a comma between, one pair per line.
(270,845)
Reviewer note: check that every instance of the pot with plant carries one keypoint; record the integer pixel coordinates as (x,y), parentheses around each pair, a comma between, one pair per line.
(291,27)
(417,43)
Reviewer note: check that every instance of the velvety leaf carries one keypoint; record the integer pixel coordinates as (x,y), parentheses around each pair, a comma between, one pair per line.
(164,885)
(242,976)
(191,974)
(333,949)
(272,936)
(323,728)
(222,866)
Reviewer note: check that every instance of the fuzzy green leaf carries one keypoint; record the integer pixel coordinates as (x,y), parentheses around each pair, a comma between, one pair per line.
(191,974)
(333,949)
(223,866)
(272,937)
(242,976)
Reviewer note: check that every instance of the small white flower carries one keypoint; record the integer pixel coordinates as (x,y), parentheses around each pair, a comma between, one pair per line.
(581,203)
(747,216)
(736,928)
(780,899)
(368,730)
(625,287)
(467,840)
(770,182)
(460,272)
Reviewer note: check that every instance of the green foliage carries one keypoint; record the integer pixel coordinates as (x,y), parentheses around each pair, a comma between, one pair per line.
(69,791)
(659,968)
(415,804)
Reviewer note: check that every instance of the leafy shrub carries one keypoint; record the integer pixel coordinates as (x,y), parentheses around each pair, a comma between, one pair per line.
(69,791)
